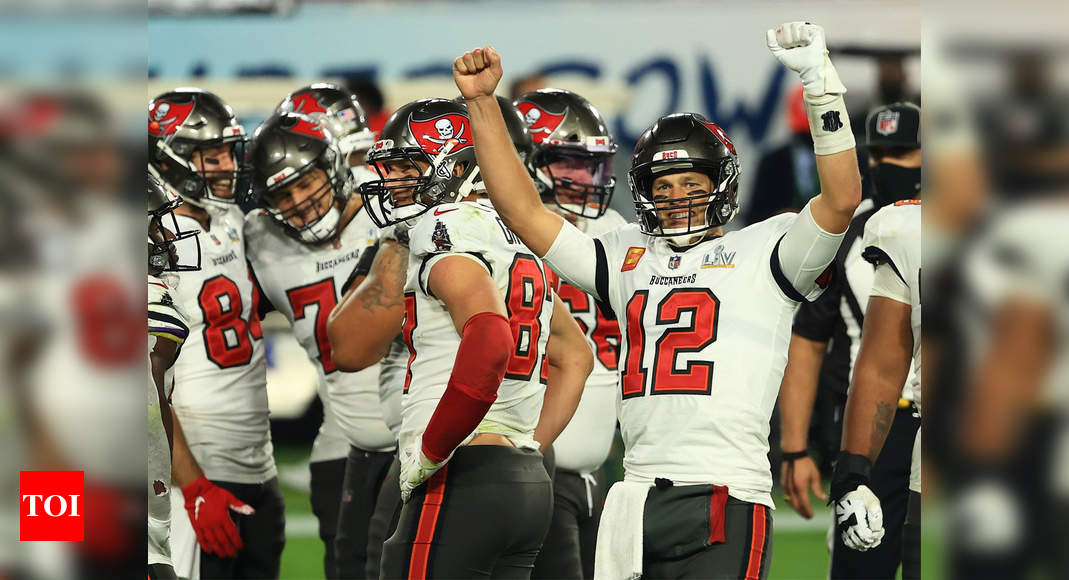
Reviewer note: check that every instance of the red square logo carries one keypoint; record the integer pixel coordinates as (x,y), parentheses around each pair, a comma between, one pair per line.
(51,506)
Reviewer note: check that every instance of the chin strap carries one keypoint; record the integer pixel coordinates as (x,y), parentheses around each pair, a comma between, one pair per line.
(470,185)
(324,227)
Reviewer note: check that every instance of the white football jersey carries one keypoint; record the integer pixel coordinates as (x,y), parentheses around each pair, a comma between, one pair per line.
(304,282)
(165,322)
(587,439)
(893,236)
(221,375)
(474,230)
(705,335)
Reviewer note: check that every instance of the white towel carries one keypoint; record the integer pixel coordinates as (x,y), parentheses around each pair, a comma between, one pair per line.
(618,554)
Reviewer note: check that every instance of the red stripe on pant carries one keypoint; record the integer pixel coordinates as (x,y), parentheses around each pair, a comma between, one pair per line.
(757,542)
(428,521)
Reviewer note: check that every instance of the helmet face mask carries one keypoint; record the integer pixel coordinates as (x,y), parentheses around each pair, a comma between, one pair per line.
(581,182)
(219,167)
(164,232)
(405,188)
(675,144)
(299,177)
(660,214)
(569,134)
(424,157)
(307,206)
(195,147)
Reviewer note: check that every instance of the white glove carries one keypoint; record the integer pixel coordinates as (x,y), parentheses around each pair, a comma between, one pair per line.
(416,468)
(859,518)
(800,47)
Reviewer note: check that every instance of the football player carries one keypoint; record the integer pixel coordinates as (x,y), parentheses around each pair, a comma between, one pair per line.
(890,341)
(572,168)
(477,316)
(338,110)
(223,457)
(305,244)
(835,319)
(387,278)
(705,314)
(167,330)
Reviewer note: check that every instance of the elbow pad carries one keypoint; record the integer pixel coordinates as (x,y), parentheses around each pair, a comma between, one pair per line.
(485,346)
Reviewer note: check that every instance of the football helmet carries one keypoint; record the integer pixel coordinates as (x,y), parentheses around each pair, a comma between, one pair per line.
(284,150)
(685,142)
(339,112)
(164,231)
(566,127)
(183,122)
(432,140)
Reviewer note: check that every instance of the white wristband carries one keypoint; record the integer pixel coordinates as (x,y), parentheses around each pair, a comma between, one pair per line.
(829,123)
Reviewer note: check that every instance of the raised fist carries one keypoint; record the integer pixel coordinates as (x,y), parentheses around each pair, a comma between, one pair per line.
(477,72)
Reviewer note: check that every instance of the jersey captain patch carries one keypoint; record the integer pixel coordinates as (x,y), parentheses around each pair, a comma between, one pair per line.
(634,254)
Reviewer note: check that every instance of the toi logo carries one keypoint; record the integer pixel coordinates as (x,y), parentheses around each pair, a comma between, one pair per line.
(51,506)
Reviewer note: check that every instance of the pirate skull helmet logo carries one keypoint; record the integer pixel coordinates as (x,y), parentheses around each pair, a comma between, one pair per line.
(445,128)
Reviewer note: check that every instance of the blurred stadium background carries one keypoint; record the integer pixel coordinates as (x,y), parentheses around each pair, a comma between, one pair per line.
(996,136)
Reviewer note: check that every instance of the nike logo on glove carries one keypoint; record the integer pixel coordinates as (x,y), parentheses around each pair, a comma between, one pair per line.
(196,507)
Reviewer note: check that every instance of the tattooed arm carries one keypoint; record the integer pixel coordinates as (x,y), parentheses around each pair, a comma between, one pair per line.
(363,324)
(879,374)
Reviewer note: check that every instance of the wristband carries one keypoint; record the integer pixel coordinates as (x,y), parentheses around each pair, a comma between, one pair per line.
(795,455)
(829,123)
(851,471)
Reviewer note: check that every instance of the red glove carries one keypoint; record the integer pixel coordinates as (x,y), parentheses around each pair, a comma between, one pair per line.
(209,511)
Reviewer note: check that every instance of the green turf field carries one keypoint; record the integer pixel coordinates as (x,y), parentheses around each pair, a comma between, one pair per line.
(799,546)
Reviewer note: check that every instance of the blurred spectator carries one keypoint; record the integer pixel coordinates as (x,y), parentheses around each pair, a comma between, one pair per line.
(786,177)
(369,95)
(526,84)
(892,83)
(997,265)
(1027,129)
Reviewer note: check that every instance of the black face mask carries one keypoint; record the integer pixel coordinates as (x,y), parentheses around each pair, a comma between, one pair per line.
(893,183)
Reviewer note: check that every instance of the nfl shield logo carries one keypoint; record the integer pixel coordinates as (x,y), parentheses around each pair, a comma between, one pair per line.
(887,122)
(673,262)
